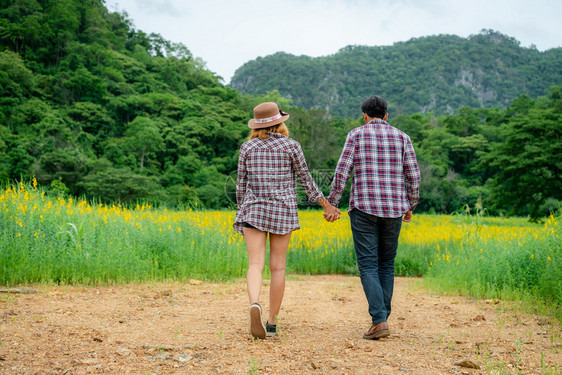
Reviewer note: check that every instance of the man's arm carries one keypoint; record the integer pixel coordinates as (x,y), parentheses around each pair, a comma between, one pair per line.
(343,170)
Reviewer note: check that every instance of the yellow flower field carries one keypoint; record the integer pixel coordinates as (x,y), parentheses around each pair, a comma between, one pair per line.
(20,203)
(62,239)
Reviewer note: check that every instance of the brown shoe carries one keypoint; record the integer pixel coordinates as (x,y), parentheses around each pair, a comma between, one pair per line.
(377,331)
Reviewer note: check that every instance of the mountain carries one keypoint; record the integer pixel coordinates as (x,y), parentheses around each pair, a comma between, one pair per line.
(92,107)
(438,74)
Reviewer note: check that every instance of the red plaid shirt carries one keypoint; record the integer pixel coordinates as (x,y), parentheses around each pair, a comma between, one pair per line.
(266,189)
(386,177)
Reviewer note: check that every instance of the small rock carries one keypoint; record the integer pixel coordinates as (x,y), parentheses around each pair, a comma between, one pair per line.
(164,293)
(161,357)
(86,361)
(183,358)
(124,352)
(467,363)
(314,365)
(479,318)
(339,298)
(195,282)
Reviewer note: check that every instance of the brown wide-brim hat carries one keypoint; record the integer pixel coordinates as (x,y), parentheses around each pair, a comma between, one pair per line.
(266,115)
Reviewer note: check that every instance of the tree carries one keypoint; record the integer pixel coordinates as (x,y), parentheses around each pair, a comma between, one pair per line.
(143,136)
(529,162)
(120,185)
(15,79)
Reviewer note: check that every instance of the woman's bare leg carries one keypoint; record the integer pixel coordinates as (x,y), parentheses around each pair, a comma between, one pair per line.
(279,244)
(255,244)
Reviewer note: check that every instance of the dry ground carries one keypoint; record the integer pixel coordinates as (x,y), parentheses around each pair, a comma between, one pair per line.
(201,328)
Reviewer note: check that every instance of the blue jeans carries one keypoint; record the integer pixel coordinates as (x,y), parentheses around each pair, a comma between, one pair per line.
(376,240)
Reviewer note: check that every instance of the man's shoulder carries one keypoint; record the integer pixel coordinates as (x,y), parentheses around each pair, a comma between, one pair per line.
(377,129)
(374,126)
(355,131)
(399,132)
(395,131)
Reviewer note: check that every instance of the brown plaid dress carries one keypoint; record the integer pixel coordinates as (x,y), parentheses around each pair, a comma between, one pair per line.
(265,188)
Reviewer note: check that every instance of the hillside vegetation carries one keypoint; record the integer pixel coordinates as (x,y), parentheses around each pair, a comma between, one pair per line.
(92,107)
(438,74)
(104,110)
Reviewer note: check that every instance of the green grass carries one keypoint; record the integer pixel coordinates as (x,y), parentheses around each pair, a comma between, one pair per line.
(527,269)
(44,242)
(52,240)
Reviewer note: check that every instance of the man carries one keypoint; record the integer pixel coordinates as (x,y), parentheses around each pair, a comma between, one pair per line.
(384,192)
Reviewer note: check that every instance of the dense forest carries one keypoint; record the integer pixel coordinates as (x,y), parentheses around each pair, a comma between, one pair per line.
(92,107)
(438,74)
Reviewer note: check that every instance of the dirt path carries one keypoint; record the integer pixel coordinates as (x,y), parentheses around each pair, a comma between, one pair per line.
(200,328)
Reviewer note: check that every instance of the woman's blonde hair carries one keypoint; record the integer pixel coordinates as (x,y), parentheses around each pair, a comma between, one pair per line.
(264,133)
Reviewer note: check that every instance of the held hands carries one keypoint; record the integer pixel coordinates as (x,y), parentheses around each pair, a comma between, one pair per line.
(331,213)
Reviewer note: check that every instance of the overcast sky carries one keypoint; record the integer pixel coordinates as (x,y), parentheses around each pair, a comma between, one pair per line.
(228,33)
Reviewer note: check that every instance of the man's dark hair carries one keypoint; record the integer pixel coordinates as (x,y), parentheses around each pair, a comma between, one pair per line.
(375,107)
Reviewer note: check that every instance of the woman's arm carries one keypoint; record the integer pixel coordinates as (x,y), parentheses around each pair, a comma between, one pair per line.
(241,179)
(331,213)
(304,176)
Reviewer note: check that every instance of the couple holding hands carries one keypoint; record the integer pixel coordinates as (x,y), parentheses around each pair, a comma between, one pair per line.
(384,192)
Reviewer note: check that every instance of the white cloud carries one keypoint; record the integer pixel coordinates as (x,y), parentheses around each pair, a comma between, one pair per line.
(226,33)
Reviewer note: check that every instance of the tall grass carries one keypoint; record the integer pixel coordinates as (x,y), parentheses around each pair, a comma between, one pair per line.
(59,240)
(45,239)
(525,266)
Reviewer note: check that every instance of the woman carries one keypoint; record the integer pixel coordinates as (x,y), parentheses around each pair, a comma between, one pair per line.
(266,196)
